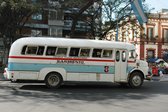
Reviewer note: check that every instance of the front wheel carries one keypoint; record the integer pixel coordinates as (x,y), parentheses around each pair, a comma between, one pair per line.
(53,80)
(135,80)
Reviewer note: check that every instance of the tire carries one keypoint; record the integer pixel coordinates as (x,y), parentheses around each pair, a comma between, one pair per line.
(53,80)
(136,80)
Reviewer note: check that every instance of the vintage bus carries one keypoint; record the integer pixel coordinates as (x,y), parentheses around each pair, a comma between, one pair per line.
(57,60)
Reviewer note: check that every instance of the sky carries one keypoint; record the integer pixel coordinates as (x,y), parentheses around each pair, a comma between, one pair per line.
(157,4)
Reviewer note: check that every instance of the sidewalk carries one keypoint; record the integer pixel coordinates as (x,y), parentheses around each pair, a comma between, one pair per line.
(164,77)
(160,78)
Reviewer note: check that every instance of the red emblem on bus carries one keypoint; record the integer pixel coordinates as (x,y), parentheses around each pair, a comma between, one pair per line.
(106,69)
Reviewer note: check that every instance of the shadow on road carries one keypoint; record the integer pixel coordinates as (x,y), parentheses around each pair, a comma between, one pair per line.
(89,92)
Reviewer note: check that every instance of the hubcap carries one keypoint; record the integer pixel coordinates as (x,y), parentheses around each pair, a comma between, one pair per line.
(136,80)
(53,80)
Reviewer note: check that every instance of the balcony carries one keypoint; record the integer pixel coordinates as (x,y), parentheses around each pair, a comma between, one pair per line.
(55,23)
(41,26)
(82,26)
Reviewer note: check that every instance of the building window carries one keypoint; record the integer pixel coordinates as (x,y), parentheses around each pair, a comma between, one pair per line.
(56,32)
(37,16)
(165,35)
(150,33)
(150,54)
(55,15)
(165,54)
(36,33)
(34,1)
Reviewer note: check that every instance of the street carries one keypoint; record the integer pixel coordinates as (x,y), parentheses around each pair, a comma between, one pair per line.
(28,97)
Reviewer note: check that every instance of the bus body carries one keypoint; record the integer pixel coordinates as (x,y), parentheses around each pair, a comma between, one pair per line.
(55,60)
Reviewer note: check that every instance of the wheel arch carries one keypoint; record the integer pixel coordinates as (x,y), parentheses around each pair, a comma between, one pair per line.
(45,71)
(136,70)
(55,73)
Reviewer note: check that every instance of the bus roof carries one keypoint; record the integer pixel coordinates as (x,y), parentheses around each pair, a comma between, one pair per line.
(71,42)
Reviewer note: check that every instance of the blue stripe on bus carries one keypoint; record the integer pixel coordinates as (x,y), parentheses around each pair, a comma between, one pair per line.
(69,68)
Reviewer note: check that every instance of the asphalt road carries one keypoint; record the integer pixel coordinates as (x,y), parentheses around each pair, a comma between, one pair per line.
(27,97)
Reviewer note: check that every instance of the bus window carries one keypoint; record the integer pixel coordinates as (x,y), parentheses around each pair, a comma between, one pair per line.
(132,54)
(107,53)
(123,56)
(117,56)
(74,52)
(51,51)
(61,52)
(84,52)
(97,53)
(40,50)
(24,50)
(31,50)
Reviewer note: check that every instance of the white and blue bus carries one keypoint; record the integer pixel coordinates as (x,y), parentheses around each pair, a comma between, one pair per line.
(57,60)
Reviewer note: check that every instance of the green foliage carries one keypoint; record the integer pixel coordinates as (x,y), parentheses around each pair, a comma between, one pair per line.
(13,15)
(74,3)
(116,11)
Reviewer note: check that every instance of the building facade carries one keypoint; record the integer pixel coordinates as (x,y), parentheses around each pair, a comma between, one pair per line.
(57,22)
(54,21)
(155,43)
(151,40)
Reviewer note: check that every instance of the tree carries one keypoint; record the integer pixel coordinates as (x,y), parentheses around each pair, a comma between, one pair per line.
(13,16)
(107,7)
(77,8)
(116,11)
(112,11)
(77,15)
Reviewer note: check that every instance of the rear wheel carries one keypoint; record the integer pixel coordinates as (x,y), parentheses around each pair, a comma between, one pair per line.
(136,80)
(53,80)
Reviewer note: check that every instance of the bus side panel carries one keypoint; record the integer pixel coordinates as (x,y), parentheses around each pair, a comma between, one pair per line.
(22,75)
(107,77)
(43,72)
(26,75)
(90,77)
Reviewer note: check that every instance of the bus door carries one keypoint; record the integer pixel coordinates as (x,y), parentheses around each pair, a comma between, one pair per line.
(120,65)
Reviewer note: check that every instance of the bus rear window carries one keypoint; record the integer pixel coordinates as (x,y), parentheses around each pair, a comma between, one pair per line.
(23,50)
